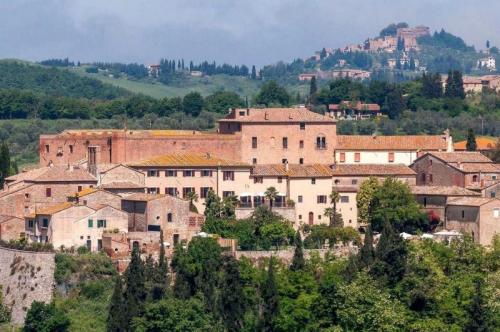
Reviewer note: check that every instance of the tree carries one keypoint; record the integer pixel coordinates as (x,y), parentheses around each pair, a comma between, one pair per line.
(254,73)
(313,89)
(471,144)
(364,198)
(334,199)
(135,293)
(232,300)
(270,301)
(272,94)
(478,316)
(4,163)
(367,252)
(298,262)
(487,44)
(42,317)
(496,153)
(271,194)
(394,103)
(192,196)
(117,320)
(390,256)
(222,101)
(193,103)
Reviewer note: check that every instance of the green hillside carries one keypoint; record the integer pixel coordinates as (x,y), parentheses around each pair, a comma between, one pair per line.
(15,74)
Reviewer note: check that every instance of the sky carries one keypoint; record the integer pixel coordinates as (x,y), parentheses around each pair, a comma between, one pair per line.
(247,32)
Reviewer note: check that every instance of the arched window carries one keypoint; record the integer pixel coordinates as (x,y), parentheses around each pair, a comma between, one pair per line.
(169,217)
(321,142)
(475,178)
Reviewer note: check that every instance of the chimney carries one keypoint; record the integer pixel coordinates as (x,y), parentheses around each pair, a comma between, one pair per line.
(71,167)
(208,155)
(266,116)
(449,141)
(248,111)
(286,166)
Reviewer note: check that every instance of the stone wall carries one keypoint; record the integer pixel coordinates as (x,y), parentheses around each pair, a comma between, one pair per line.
(25,277)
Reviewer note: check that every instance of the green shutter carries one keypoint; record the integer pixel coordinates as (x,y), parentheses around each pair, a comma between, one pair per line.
(91,223)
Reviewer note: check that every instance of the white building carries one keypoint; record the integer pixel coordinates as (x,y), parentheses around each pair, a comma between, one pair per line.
(488,63)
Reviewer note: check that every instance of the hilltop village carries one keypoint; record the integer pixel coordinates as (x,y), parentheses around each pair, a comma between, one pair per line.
(112,190)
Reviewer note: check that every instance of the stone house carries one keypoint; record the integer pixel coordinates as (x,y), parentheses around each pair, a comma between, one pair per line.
(11,228)
(68,225)
(352,149)
(477,216)
(463,169)
(120,179)
(93,197)
(348,110)
(178,174)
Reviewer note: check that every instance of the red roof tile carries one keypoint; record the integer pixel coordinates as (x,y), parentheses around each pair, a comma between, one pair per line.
(371,169)
(276,115)
(294,170)
(401,143)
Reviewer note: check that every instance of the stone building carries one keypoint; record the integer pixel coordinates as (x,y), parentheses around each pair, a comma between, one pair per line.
(477,216)
(463,169)
(352,149)
(11,228)
(93,197)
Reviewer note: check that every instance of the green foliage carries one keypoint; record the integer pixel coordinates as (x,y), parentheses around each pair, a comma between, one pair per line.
(222,101)
(270,300)
(71,269)
(43,317)
(298,261)
(471,144)
(364,199)
(135,293)
(271,94)
(445,39)
(193,103)
(117,320)
(393,201)
(4,311)
(317,236)
(232,303)
(4,163)
(392,29)
(367,252)
(176,315)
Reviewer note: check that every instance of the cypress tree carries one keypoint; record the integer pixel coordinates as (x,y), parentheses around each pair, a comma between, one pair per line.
(135,293)
(232,299)
(450,85)
(478,321)
(117,317)
(367,253)
(459,84)
(298,262)
(162,262)
(4,163)
(270,302)
(313,89)
(254,73)
(471,144)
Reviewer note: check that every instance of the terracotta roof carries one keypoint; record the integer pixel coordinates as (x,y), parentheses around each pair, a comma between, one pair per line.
(188,160)
(371,169)
(359,106)
(97,133)
(471,201)
(294,170)
(442,191)
(403,143)
(477,167)
(142,197)
(85,192)
(483,143)
(483,184)
(276,115)
(122,185)
(50,210)
(55,174)
(461,157)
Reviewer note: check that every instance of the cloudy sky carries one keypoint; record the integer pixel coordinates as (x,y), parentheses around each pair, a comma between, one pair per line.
(234,31)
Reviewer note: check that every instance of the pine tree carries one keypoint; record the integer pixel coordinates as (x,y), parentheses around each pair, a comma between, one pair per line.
(487,44)
(4,163)
(117,317)
(367,253)
(459,84)
(254,73)
(298,262)
(313,89)
(232,301)
(135,293)
(471,144)
(270,301)
(478,321)
(162,262)
(450,85)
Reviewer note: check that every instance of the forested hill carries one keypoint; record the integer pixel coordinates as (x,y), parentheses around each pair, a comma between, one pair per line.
(54,82)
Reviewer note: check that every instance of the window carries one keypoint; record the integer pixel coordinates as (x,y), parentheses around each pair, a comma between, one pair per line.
(493,194)
(48,192)
(354,181)
(27,195)
(254,142)
(422,177)
(463,214)
(301,144)
(228,175)
(153,173)
(474,178)
(496,213)
(242,113)
(430,178)
(258,179)
(342,157)
(153,191)
(254,161)
(425,201)
(285,142)
(206,173)
(300,199)
(186,191)
(71,149)
(187,174)
(101,223)
(47,148)
(321,199)
(45,223)
(357,157)
(170,173)
(344,199)
(172,191)
(302,126)
(79,188)
(313,181)
(90,223)
(391,157)
(284,161)
(321,142)
(493,177)
(204,191)
(169,217)
(226,194)
(280,179)
(337,181)
(31,223)
(176,239)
